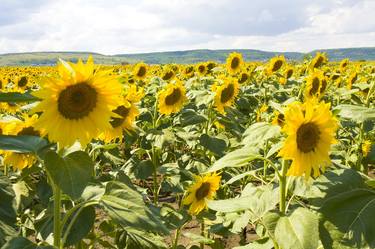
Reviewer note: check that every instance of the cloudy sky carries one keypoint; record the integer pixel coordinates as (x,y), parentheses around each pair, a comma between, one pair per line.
(132,26)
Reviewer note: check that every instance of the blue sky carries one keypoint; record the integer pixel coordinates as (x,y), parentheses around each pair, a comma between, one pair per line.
(132,26)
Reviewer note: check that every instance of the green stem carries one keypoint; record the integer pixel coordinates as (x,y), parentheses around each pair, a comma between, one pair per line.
(155,176)
(176,237)
(282,180)
(56,215)
(202,233)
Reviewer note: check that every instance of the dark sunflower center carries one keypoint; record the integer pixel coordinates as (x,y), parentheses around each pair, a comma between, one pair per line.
(30,131)
(235,63)
(354,78)
(77,101)
(289,73)
(22,82)
(323,86)
(315,86)
(227,93)
(280,119)
(243,78)
(168,75)
(277,65)
(174,97)
(189,70)
(308,137)
(202,191)
(141,72)
(319,61)
(201,68)
(123,112)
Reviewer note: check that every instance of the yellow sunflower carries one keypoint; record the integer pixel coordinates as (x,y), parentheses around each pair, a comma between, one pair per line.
(319,60)
(226,93)
(140,71)
(202,69)
(168,74)
(172,98)
(275,64)
(316,84)
(278,119)
(311,129)
(243,78)
(366,147)
(127,112)
(352,79)
(343,65)
(203,189)
(188,71)
(234,63)
(78,104)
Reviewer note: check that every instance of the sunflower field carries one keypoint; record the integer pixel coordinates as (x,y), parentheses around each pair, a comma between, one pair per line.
(247,155)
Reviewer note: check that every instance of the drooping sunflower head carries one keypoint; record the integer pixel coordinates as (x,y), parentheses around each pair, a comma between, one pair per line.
(140,71)
(316,85)
(289,72)
(310,128)
(352,79)
(319,60)
(226,93)
(172,98)
(243,78)
(80,101)
(203,189)
(234,63)
(344,65)
(275,64)
(202,69)
(168,74)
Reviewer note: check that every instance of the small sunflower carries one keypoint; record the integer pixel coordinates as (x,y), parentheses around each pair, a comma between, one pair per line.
(140,71)
(343,65)
(80,103)
(275,64)
(168,74)
(311,129)
(226,93)
(352,79)
(319,60)
(234,63)
(278,119)
(316,85)
(203,189)
(188,71)
(172,98)
(366,147)
(202,69)
(243,78)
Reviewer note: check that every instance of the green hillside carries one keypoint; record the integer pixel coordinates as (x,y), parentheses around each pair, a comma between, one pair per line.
(182,57)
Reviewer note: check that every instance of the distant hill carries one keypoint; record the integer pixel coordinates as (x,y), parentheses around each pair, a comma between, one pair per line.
(182,57)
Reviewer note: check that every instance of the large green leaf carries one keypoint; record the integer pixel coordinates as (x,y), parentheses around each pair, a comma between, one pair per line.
(23,243)
(213,144)
(126,207)
(356,113)
(143,240)
(191,117)
(258,133)
(298,230)
(71,173)
(7,209)
(237,158)
(23,144)
(17,97)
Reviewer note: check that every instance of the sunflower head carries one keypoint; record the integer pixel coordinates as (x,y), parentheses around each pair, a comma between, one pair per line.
(278,119)
(172,98)
(168,74)
(243,78)
(343,65)
(234,63)
(310,128)
(275,64)
(366,147)
(202,69)
(80,100)
(319,60)
(140,71)
(203,189)
(225,93)
(352,79)
(188,71)
(316,85)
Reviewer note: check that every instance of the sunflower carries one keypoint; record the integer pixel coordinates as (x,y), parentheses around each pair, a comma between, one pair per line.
(260,111)
(289,72)
(275,64)
(226,93)
(202,69)
(316,85)
(352,79)
(172,98)
(203,189)
(234,63)
(168,74)
(311,129)
(366,147)
(127,112)
(243,78)
(343,65)
(140,71)
(78,104)
(188,71)
(319,60)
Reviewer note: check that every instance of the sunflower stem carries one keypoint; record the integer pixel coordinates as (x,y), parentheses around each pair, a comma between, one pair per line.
(176,237)
(202,233)
(282,180)
(56,215)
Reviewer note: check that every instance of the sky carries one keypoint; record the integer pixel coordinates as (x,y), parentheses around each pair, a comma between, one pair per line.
(136,26)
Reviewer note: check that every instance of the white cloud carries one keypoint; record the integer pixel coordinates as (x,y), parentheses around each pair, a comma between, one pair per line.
(131,26)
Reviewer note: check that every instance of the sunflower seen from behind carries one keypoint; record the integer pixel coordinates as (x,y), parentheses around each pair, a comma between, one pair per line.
(234,63)
(203,189)
(226,91)
(310,128)
(172,98)
(78,103)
